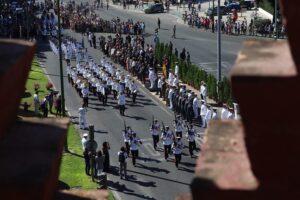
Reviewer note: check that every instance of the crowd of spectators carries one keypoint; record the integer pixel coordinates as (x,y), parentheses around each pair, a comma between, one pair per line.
(232,25)
(19,19)
(82,18)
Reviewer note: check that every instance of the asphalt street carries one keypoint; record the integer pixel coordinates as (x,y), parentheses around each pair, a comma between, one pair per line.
(153,177)
(201,44)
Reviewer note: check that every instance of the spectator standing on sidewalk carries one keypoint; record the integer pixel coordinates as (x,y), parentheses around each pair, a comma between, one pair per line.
(224,112)
(158,23)
(36,103)
(87,162)
(177,69)
(58,106)
(203,92)
(174,32)
(84,140)
(44,107)
(105,148)
(203,110)
(99,164)
(122,155)
(199,6)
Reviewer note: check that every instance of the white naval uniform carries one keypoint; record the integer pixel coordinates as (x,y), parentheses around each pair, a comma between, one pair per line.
(82,117)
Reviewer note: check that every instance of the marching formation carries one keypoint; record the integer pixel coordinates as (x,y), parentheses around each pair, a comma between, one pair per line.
(103,80)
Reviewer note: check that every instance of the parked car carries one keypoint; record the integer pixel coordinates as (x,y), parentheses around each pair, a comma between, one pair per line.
(154,8)
(233,6)
(249,4)
(211,11)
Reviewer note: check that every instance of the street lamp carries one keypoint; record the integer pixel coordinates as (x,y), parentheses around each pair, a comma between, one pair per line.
(276,22)
(219,43)
(213,17)
(61,69)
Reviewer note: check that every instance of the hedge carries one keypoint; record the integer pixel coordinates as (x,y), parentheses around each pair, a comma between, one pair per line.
(192,75)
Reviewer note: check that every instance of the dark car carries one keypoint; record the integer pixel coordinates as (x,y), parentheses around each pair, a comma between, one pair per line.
(249,4)
(233,6)
(210,11)
(155,8)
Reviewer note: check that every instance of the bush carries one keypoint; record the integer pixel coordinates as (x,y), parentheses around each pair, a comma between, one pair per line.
(193,75)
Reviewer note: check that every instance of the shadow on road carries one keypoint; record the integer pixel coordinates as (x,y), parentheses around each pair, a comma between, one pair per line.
(186,169)
(98,131)
(132,178)
(149,159)
(158,177)
(135,117)
(152,169)
(117,186)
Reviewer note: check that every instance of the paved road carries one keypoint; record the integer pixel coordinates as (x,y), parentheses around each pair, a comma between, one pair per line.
(202,45)
(152,178)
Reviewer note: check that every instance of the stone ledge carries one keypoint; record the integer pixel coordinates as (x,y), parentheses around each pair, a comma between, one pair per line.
(30,156)
(224,163)
(16,57)
(264,58)
(77,194)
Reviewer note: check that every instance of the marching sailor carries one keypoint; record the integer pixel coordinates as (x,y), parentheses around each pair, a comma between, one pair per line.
(134,147)
(177,148)
(167,137)
(191,134)
(155,128)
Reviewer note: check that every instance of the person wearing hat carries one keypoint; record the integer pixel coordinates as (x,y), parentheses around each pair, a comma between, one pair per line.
(208,115)
(195,106)
(134,147)
(230,113)
(152,78)
(203,110)
(84,140)
(154,129)
(170,97)
(214,113)
(224,111)
(175,81)
(178,124)
(167,137)
(177,148)
(159,86)
(121,103)
(127,133)
(82,117)
(203,91)
(171,77)
(191,134)
(85,95)
(177,69)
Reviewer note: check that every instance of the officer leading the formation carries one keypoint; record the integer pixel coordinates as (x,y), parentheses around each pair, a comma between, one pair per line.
(154,129)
